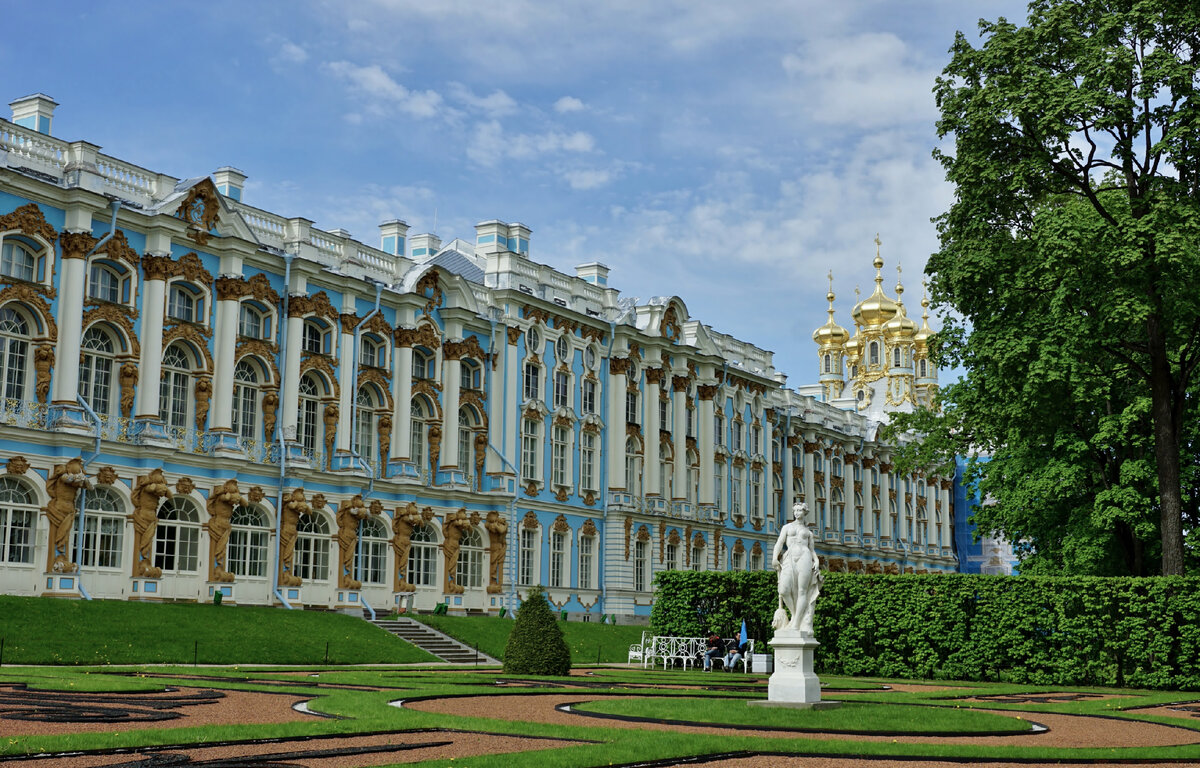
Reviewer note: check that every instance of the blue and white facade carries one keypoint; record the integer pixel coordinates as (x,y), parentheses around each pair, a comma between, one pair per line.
(502,423)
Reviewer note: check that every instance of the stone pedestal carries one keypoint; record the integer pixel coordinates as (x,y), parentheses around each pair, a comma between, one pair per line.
(144,589)
(794,684)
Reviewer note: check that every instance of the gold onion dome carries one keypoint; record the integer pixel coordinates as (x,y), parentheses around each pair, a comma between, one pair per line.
(923,334)
(831,333)
(900,326)
(878,308)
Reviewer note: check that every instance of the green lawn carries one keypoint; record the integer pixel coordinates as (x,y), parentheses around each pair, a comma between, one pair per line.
(851,717)
(49,631)
(589,642)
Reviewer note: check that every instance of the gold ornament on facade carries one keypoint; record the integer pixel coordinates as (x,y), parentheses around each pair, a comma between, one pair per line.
(497,528)
(62,486)
(315,361)
(670,327)
(562,493)
(119,315)
(294,508)
(350,513)
(106,476)
(27,293)
(157,267)
(43,364)
(17,465)
(29,220)
(589,498)
(184,485)
(565,324)
(618,366)
(874,568)
(429,288)
(654,376)
(76,245)
(707,391)
(530,489)
(560,524)
(643,534)
(628,531)
(203,394)
(453,528)
(536,314)
(128,376)
(383,432)
(380,379)
(270,406)
(315,304)
(148,493)
(634,430)
(201,211)
(595,334)
(221,502)
(404,522)
(885,468)
(262,349)
(435,447)
(117,248)
(330,419)
(856,566)
(514,334)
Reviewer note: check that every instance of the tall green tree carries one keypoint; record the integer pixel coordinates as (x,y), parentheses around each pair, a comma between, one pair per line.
(1069,264)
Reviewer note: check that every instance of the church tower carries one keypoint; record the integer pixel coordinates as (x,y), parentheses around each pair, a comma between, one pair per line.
(831,339)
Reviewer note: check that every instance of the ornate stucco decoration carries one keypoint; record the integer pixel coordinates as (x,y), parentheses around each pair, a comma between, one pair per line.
(424,335)
(28,293)
(497,528)
(468,347)
(404,522)
(63,486)
(380,379)
(148,493)
(221,501)
(654,376)
(475,397)
(75,245)
(122,317)
(628,531)
(315,361)
(295,507)
(536,314)
(480,445)
(383,432)
(350,513)
(618,366)
(117,248)
(706,391)
(560,524)
(634,430)
(17,465)
(203,394)
(262,349)
(670,328)
(643,534)
(874,567)
(429,287)
(184,485)
(316,304)
(589,498)
(514,334)
(856,566)
(595,334)
(330,418)
(29,220)
(43,364)
(201,209)
(453,527)
(565,324)
(157,267)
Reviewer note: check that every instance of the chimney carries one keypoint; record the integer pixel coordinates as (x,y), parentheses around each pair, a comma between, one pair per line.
(391,236)
(230,182)
(593,272)
(518,238)
(35,111)
(423,247)
(491,237)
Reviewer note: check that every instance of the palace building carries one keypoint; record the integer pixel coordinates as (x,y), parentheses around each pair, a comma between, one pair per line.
(202,397)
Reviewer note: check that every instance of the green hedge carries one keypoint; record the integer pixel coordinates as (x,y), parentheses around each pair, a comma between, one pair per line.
(1032,630)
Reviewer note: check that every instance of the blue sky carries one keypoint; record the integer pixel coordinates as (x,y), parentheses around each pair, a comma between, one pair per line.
(728,153)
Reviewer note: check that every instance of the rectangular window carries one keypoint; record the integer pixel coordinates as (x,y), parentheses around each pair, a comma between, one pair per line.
(755,439)
(465,438)
(697,558)
(755,495)
(587,461)
(735,435)
(525,572)
(562,389)
(102,537)
(373,563)
(718,430)
(664,417)
(641,567)
(422,565)
(631,407)
(558,557)
(735,492)
(469,571)
(671,555)
(533,381)
(587,556)
(248,553)
(719,485)
(558,456)
(16,528)
(738,561)
(529,450)
(589,396)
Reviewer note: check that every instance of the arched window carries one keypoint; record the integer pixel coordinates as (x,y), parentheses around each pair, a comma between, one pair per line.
(253,323)
(372,352)
(316,339)
(309,413)
(776,493)
(103,530)
(247,553)
(471,375)
(372,555)
(633,466)
(470,560)
(96,370)
(422,557)
(185,303)
(562,349)
(14,353)
(896,357)
(873,353)
(175,395)
(923,369)
(16,260)
(587,562)
(177,536)
(828,363)
(839,510)
(422,411)
(18,511)
(104,283)
(312,548)
(468,423)
(245,400)
(365,437)
(560,573)
(422,364)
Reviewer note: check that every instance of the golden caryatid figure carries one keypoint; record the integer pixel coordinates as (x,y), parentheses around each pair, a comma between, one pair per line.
(497,528)
(350,513)
(63,486)
(221,502)
(294,508)
(453,528)
(148,493)
(403,525)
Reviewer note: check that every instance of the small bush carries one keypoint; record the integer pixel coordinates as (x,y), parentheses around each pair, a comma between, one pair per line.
(536,645)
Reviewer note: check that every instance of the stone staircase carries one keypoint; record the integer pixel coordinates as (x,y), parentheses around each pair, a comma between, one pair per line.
(426,638)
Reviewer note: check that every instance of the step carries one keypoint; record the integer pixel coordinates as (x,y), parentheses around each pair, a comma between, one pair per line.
(428,639)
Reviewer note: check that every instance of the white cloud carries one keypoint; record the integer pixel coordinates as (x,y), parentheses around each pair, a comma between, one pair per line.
(587,179)
(289,53)
(383,94)
(496,104)
(490,144)
(568,104)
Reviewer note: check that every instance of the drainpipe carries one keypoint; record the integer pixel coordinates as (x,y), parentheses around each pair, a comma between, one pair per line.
(354,454)
(112,229)
(512,546)
(83,491)
(287,293)
(604,415)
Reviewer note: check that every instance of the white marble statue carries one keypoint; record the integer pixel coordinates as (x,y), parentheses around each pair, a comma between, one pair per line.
(800,575)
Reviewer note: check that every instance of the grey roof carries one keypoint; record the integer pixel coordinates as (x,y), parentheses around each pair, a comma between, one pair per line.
(459,264)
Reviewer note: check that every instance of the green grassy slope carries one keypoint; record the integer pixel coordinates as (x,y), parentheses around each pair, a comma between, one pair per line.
(51,631)
(588,641)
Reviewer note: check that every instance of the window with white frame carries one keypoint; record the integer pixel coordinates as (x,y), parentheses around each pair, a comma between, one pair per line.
(245,400)
(718,429)
(562,349)
(175,394)
(311,561)
(693,476)
(470,375)
(671,558)
(103,530)
(633,467)
(316,338)
(372,552)
(631,406)
(96,363)
(177,536)
(422,413)
(309,408)
(587,461)
(469,573)
(560,448)
(104,284)
(527,561)
(587,562)
(641,566)
(18,261)
(423,364)
(719,490)
(755,439)
(664,414)
(559,574)
(18,512)
(588,396)
(756,513)
(531,439)
(589,357)
(735,492)
(737,560)
(698,557)
(467,424)
(735,436)
(756,559)
(532,382)
(533,341)
(185,302)
(14,353)
(562,389)
(247,553)
(372,353)
(253,323)
(365,438)
(422,556)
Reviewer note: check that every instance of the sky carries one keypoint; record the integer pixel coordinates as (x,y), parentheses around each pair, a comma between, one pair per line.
(731,154)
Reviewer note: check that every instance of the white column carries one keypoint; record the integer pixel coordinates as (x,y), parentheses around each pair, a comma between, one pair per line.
(512,422)
(810,496)
(706,393)
(868,500)
(789,488)
(75,246)
(451,382)
(221,415)
(291,376)
(766,480)
(679,394)
(496,405)
(150,362)
(885,488)
(402,395)
(616,424)
(346,364)
(652,457)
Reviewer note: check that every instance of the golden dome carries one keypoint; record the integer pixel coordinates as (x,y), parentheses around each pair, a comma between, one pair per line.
(923,334)
(854,347)
(831,333)
(900,326)
(877,308)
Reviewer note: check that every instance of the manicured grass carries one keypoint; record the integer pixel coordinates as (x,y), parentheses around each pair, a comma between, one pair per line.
(852,716)
(48,631)
(589,642)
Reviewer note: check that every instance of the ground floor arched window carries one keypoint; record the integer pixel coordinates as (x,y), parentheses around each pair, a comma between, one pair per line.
(470,560)
(311,561)
(422,557)
(177,537)
(103,530)
(372,564)
(18,511)
(247,554)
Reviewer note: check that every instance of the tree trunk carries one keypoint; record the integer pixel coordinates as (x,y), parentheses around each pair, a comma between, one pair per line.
(1166,452)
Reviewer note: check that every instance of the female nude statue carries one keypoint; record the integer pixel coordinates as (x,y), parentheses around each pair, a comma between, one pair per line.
(799,574)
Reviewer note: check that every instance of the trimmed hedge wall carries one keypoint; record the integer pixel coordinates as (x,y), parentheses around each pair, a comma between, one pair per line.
(1140,632)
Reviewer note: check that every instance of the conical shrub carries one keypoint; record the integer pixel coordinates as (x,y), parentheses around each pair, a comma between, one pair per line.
(536,645)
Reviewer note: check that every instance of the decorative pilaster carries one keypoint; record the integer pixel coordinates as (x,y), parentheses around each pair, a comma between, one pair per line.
(65,411)
(400,463)
(652,456)
(679,395)
(221,415)
(617,369)
(449,471)
(706,393)
(291,377)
